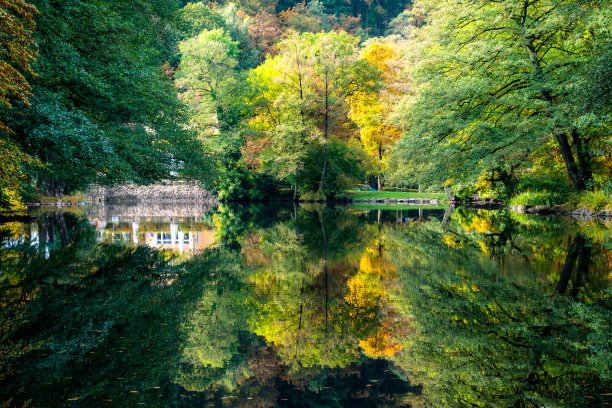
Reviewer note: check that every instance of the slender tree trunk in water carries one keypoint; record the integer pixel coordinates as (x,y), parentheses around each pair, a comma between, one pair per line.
(61,225)
(326,129)
(50,228)
(581,269)
(447,214)
(297,176)
(43,231)
(297,337)
(365,13)
(576,249)
(325,272)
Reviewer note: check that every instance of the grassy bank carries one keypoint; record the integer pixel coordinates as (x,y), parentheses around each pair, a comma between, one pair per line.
(398,207)
(396,195)
(594,201)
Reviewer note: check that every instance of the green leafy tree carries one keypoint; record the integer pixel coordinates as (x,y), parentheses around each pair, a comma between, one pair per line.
(300,102)
(195,18)
(493,89)
(101,108)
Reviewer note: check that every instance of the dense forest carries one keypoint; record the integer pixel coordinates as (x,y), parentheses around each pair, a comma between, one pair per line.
(506,99)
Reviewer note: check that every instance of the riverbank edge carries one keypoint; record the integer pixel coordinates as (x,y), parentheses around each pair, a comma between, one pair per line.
(577,213)
(173,191)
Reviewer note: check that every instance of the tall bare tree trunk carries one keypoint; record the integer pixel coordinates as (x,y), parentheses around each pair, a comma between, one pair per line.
(326,130)
(380,160)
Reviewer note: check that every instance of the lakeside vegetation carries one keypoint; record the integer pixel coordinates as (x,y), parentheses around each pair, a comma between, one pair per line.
(397,195)
(506,99)
(398,207)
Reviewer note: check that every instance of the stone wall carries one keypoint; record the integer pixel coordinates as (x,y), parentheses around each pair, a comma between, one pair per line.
(160,192)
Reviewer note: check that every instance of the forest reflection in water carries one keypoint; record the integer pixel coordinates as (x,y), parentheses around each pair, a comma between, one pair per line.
(306,306)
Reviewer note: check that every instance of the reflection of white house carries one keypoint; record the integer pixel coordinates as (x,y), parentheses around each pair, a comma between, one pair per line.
(175,238)
(183,241)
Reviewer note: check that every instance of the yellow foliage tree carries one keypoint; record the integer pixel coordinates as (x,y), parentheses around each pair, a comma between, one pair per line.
(370,110)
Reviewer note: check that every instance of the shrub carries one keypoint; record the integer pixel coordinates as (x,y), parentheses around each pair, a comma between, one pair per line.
(313,196)
(538,198)
(593,200)
(544,182)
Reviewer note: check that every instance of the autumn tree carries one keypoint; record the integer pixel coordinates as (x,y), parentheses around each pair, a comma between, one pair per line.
(264,31)
(17,52)
(333,60)
(301,96)
(370,108)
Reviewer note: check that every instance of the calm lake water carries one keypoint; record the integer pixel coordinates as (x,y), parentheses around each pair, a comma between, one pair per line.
(304,306)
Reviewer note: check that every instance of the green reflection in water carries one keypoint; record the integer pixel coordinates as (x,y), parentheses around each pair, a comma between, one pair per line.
(311,306)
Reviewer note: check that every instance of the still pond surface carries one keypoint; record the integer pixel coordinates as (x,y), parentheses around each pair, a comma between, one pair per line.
(304,306)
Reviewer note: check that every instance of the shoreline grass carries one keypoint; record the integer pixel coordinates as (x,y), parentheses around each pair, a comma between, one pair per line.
(398,207)
(398,195)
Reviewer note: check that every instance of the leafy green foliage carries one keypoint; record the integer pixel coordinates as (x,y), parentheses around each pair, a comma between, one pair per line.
(102,110)
(490,90)
(485,337)
(538,198)
(195,18)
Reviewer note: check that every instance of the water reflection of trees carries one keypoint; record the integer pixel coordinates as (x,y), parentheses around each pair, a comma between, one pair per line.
(84,323)
(493,325)
(462,305)
(313,306)
(313,294)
